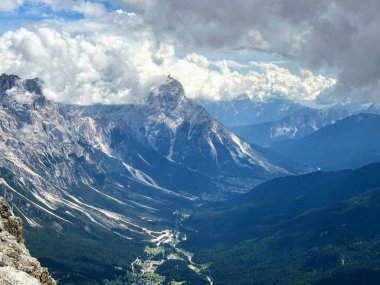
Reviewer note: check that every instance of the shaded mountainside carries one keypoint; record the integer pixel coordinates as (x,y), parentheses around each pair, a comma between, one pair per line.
(17,267)
(349,143)
(297,125)
(319,228)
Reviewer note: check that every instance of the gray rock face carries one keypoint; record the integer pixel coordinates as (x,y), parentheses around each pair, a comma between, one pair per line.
(17,267)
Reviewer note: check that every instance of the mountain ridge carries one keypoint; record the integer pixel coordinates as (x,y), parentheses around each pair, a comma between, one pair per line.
(299,124)
(349,143)
(321,228)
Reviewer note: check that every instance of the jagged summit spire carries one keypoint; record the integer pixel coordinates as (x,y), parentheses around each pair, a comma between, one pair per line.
(8,81)
(23,91)
(172,86)
(168,96)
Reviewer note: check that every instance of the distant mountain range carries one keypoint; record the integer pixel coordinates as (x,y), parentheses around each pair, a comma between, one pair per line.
(244,111)
(321,228)
(349,143)
(299,124)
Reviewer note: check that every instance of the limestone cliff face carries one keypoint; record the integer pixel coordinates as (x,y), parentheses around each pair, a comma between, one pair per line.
(17,267)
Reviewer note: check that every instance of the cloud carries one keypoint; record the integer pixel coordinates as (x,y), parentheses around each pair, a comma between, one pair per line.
(89,61)
(10,5)
(223,82)
(338,35)
(116,59)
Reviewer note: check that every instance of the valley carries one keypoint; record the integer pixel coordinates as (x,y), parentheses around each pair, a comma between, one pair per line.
(147,268)
(136,194)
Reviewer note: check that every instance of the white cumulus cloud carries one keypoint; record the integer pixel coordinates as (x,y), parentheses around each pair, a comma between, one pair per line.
(115,59)
(9,5)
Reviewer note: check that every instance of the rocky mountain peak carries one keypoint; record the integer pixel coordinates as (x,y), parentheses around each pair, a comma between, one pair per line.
(33,86)
(7,82)
(17,267)
(13,88)
(172,87)
(10,223)
(168,96)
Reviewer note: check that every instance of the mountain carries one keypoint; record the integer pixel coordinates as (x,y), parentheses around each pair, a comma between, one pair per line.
(244,111)
(297,125)
(349,143)
(169,131)
(77,202)
(17,267)
(97,184)
(318,228)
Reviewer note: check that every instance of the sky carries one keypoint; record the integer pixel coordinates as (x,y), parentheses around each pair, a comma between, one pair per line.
(116,52)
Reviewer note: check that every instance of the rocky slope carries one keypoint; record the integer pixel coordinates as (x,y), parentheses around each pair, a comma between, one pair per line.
(17,267)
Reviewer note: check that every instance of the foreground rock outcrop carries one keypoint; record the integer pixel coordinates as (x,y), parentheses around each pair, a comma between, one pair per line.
(17,267)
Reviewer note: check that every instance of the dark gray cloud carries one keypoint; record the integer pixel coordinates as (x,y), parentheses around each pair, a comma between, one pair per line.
(341,35)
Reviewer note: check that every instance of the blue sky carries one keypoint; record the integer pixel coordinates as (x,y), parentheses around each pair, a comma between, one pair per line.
(30,13)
